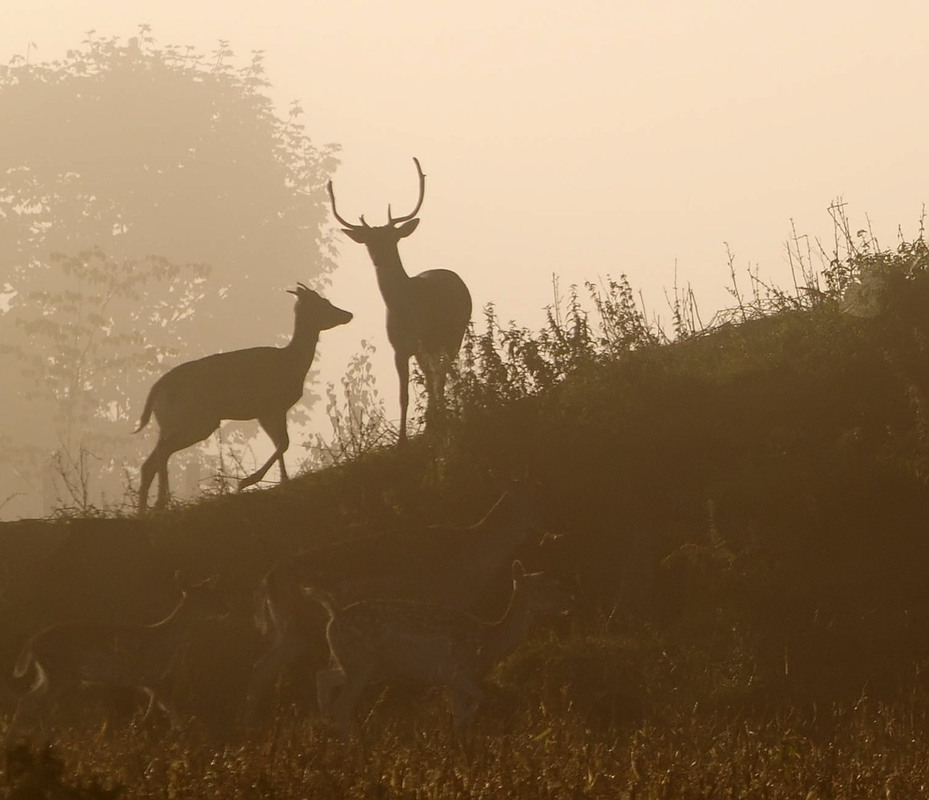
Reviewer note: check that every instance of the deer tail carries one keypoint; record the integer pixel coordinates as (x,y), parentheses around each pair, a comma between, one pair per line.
(147,411)
(266,617)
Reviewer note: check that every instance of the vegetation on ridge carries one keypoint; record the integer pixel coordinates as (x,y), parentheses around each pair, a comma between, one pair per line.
(744,515)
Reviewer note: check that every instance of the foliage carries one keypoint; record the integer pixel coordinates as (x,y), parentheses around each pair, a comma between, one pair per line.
(504,364)
(359,423)
(132,172)
(74,348)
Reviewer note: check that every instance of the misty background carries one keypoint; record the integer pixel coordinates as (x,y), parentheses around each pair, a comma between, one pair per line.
(164,179)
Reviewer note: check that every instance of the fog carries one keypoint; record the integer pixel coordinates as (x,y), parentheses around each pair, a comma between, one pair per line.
(572,140)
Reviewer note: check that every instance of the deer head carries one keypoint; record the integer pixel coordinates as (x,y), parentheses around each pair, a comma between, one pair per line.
(378,237)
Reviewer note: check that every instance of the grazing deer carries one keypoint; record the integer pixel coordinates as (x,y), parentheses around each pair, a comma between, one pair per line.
(69,654)
(260,383)
(427,314)
(446,565)
(376,640)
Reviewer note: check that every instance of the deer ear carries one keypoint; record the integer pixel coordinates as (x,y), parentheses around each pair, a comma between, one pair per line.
(354,235)
(407,228)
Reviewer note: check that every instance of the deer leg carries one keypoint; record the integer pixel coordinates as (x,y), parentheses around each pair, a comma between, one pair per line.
(402,363)
(154,699)
(268,670)
(349,696)
(433,367)
(327,680)
(170,711)
(43,695)
(276,428)
(156,463)
(425,364)
(27,706)
(164,491)
(150,694)
(466,699)
(437,391)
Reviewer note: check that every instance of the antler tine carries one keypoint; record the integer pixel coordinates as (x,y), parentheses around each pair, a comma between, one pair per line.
(336,214)
(422,194)
(301,288)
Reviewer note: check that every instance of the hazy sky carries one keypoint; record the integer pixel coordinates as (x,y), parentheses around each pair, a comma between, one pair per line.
(579,138)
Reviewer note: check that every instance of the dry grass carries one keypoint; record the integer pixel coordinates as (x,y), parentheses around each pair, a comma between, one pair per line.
(871,750)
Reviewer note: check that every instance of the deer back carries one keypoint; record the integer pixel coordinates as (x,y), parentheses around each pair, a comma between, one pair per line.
(242,384)
(398,638)
(443,564)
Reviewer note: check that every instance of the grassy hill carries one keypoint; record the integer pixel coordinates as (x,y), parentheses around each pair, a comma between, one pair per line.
(744,514)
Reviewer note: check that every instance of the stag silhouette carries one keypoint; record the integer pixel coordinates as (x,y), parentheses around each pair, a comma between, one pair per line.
(427,314)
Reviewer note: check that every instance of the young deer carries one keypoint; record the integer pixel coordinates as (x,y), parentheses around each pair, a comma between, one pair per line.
(376,640)
(260,383)
(446,565)
(69,654)
(427,314)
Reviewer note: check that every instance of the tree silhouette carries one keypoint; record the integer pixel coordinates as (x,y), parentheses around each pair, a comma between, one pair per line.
(153,204)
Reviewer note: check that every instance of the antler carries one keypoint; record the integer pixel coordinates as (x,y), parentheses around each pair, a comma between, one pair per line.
(422,194)
(390,218)
(346,223)
(301,289)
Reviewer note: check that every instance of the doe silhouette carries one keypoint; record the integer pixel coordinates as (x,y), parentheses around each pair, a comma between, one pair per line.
(375,640)
(66,655)
(259,383)
(427,314)
(445,564)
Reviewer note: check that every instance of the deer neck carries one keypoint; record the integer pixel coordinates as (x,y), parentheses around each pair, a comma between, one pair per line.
(502,637)
(302,346)
(497,536)
(165,636)
(392,278)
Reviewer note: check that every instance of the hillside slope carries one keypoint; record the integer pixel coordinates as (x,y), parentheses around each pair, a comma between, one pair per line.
(744,515)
